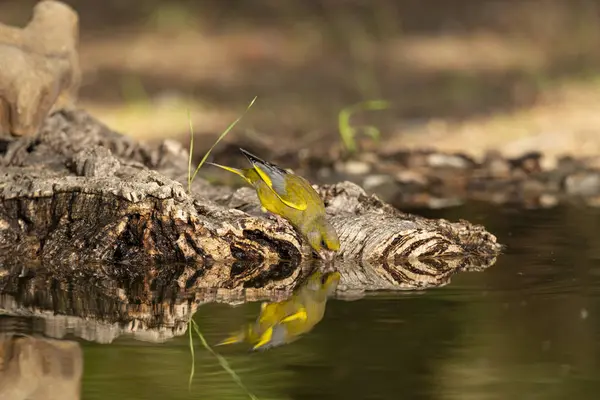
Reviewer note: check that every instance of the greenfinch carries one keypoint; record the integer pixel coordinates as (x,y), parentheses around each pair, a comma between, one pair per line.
(285,321)
(292,197)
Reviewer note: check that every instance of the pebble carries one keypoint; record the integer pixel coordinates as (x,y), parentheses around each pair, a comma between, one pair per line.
(548,200)
(374,181)
(440,160)
(356,167)
(408,176)
(384,185)
(583,184)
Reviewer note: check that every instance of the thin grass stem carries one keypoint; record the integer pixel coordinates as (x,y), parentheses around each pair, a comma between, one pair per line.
(348,132)
(191,177)
(222,361)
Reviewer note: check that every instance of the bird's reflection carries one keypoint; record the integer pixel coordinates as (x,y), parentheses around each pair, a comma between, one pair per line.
(285,321)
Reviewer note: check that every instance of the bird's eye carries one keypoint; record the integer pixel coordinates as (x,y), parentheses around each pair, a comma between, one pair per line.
(323,244)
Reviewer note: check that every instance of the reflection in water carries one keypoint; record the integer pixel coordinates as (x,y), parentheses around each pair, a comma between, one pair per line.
(99,302)
(109,305)
(35,368)
(285,321)
(92,307)
(406,274)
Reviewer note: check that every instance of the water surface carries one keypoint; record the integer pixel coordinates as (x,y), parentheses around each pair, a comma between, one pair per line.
(526,328)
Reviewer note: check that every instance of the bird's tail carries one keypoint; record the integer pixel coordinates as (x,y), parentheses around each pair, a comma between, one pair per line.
(235,338)
(252,158)
(231,169)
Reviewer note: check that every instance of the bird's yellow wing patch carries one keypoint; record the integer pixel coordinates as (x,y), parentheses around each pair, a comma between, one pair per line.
(301,315)
(278,184)
(281,182)
(264,339)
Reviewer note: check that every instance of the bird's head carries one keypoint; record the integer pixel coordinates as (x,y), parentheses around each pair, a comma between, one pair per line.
(323,238)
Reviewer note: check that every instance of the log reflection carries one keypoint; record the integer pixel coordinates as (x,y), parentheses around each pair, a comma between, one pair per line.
(100,302)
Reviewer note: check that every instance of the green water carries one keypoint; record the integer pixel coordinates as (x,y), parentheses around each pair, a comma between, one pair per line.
(526,328)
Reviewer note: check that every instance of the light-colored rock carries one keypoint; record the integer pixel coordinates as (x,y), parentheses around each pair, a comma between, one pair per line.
(39,68)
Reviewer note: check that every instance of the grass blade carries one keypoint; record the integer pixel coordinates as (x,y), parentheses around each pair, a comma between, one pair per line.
(225,132)
(347,132)
(191,152)
(222,361)
(193,370)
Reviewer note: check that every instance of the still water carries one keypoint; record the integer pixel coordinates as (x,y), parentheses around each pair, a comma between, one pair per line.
(526,328)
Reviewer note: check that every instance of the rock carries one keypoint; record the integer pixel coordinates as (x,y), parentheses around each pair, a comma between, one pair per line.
(38,368)
(496,165)
(528,163)
(411,177)
(441,160)
(353,167)
(382,184)
(548,201)
(583,184)
(39,68)
(372,182)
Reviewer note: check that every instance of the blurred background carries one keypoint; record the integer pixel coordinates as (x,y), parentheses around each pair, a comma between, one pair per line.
(463,75)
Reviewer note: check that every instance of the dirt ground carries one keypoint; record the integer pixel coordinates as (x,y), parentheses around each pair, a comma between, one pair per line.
(459,75)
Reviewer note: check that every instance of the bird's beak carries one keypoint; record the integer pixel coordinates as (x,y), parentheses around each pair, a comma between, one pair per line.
(327,255)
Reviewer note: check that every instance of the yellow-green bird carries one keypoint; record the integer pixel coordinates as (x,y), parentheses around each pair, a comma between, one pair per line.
(285,321)
(293,198)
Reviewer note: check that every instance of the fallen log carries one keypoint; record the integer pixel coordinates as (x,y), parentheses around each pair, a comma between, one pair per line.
(79,192)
